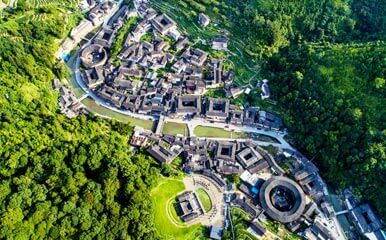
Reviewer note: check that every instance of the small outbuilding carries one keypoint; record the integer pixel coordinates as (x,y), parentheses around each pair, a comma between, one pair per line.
(215,232)
(203,19)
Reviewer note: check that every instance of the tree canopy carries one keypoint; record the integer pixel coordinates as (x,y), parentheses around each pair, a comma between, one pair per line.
(59,177)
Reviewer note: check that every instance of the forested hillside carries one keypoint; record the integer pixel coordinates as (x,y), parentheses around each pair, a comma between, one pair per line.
(333,98)
(61,178)
(326,62)
(266,26)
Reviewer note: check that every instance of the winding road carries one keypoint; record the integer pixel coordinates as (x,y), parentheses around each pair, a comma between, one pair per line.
(191,124)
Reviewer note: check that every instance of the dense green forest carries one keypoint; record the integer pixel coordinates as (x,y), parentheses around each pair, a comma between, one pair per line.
(333,98)
(61,178)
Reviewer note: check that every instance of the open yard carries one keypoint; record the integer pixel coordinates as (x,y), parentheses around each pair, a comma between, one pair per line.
(95,108)
(172,128)
(163,196)
(202,131)
(204,199)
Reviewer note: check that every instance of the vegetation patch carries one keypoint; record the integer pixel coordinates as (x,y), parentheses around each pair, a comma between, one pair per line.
(203,131)
(172,128)
(240,221)
(332,99)
(92,106)
(204,199)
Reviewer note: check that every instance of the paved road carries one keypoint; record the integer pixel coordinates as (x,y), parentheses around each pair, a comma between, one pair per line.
(192,124)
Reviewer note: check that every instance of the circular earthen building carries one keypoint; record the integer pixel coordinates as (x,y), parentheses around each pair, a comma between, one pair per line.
(282,199)
(93,56)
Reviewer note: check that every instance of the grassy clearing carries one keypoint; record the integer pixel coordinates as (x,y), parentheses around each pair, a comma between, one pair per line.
(172,128)
(161,196)
(97,109)
(202,131)
(205,199)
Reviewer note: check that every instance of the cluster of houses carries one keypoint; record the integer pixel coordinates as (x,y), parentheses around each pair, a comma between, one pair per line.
(295,196)
(162,75)
(363,217)
(70,106)
(96,16)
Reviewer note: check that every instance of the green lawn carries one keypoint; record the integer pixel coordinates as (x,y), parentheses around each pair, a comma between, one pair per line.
(95,108)
(202,131)
(172,128)
(161,196)
(204,199)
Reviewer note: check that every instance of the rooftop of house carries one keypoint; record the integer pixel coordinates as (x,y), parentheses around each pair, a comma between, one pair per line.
(163,23)
(189,104)
(282,199)
(203,19)
(215,232)
(248,157)
(217,107)
(163,153)
(257,228)
(188,206)
(226,151)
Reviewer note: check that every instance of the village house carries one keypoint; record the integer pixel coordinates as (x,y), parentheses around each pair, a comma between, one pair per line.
(112,96)
(215,79)
(217,109)
(269,120)
(248,157)
(225,158)
(188,206)
(182,43)
(163,24)
(98,13)
(203,19)
(256,229)
(189,104)
(80,31)
(235,116)
(265,91)
(164,153)
(220,44)
(195,56)
(93,77)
